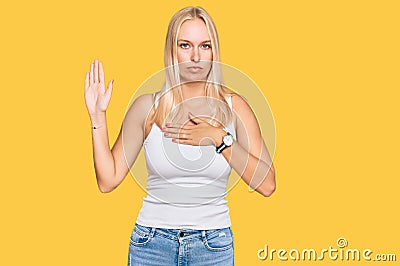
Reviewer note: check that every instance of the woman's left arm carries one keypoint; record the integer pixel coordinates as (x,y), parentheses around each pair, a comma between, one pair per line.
(248,155)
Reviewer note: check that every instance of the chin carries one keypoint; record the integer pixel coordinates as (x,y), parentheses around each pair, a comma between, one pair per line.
(190,77)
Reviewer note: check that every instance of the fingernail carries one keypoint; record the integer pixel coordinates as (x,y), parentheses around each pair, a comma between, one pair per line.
(112,81)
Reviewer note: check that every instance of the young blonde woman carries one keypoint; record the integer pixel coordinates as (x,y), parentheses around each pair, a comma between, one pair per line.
(184,219)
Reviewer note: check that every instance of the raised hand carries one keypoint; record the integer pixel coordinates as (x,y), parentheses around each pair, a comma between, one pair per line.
(96,96)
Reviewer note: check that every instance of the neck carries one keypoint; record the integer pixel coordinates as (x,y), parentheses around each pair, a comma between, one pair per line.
(193,89)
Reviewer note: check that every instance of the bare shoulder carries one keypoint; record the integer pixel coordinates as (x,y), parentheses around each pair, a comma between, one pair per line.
(145,100)
(246,120)
(240,104)
(141,107)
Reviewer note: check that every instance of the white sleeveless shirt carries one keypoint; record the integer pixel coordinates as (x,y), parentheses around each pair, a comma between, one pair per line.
(186,185)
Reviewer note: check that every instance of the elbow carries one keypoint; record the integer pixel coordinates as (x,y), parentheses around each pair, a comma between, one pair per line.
(269,185)
(269,190)
(105,188)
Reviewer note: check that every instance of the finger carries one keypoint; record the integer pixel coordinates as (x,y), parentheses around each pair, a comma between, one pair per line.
(101,72)
(219,124)
(190,124)
(176,131)
(214,122)
(182,126)
(87,81)
(96,71)
(109,90)
(182,141)
(176,136)
(173,125)
(91,74)
(195,119)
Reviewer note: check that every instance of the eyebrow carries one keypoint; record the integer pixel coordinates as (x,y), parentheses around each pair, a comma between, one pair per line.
(182,40)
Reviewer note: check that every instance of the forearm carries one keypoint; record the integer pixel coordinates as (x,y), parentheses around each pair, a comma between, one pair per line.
(103,159)
(257,173)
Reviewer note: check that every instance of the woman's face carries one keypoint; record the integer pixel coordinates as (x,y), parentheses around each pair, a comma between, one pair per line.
(194,50)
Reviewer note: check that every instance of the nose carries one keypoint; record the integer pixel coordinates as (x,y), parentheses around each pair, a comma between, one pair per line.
(195,57)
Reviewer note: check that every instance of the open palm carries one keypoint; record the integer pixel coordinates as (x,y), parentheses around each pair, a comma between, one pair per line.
(96,96)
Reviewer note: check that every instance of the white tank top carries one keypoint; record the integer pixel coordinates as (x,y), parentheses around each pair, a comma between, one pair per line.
(186,184)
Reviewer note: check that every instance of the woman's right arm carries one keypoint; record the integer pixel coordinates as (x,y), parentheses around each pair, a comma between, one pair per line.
(112,166)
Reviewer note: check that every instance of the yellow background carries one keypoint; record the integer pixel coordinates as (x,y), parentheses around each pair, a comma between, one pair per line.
(330,72)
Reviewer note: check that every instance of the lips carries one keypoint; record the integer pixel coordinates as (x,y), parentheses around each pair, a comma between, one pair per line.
(194,69)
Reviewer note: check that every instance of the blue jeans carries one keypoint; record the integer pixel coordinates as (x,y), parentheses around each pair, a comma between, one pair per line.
(151,246)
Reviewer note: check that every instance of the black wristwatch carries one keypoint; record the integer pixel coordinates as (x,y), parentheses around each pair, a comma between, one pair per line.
(227,141)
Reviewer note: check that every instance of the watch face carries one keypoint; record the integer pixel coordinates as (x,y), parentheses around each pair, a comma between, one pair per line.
(228,140)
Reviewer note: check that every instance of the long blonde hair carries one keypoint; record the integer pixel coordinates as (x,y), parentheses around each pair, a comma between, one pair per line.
(169,99)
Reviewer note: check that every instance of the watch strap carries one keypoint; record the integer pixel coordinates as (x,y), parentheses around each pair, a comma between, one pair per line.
(220,148)
(223,146)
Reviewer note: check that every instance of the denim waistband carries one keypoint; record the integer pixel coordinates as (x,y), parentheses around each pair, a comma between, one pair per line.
(177,234)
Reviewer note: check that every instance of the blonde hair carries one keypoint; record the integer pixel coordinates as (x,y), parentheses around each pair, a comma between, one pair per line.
(169,99)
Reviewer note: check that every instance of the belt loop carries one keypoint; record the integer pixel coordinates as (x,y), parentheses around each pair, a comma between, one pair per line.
(153,229)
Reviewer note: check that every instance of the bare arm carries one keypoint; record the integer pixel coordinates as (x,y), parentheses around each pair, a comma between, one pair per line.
(249,156)
(111,166)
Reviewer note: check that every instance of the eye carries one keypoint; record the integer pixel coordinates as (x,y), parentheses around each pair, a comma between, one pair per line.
(184,45)
(206,46)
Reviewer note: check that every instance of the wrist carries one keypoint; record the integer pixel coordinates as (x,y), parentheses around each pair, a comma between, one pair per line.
(98,119)
(97,114)
(219,134)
